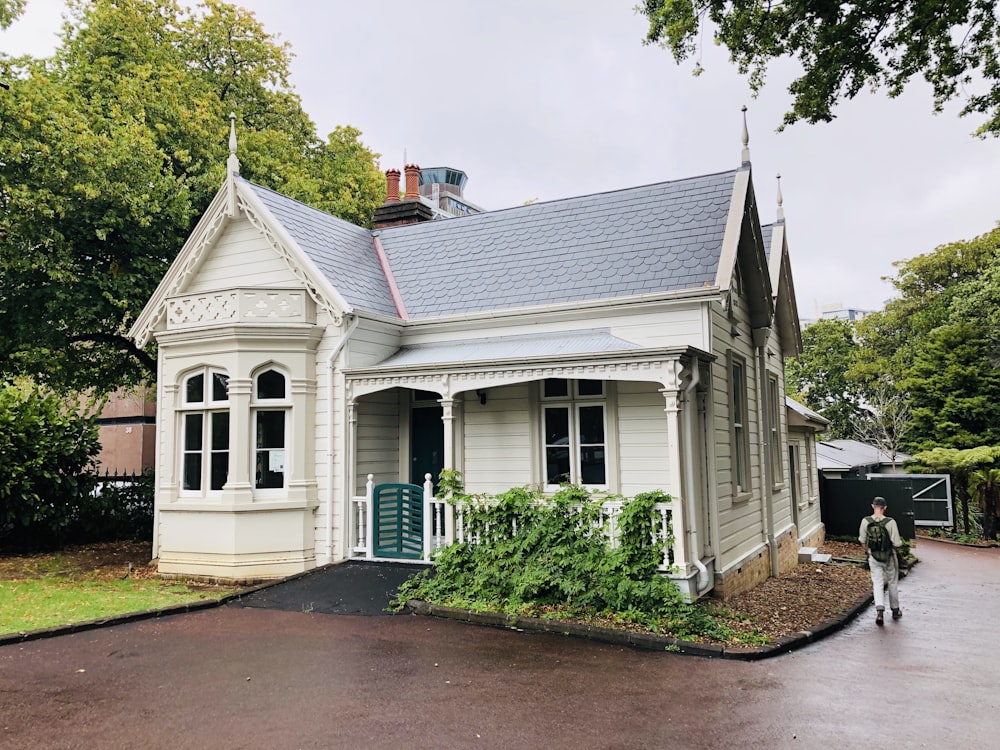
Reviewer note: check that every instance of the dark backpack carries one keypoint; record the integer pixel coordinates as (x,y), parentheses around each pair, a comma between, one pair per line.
(879,543)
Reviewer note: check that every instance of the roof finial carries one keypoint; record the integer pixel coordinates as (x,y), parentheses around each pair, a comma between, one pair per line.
(232,164)
(746,137)
(781,200)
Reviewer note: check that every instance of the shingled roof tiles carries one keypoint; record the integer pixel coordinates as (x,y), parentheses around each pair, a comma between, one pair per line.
(655,238)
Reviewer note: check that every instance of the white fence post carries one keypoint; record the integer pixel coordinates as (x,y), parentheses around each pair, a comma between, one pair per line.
(428,516)
(370,517)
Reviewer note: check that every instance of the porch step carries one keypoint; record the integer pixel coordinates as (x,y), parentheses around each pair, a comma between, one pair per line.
(810,555)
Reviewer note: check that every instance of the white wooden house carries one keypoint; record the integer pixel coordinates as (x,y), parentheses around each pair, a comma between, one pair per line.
(625,341)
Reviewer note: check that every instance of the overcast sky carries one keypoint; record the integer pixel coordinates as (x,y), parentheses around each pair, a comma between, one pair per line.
(547,99)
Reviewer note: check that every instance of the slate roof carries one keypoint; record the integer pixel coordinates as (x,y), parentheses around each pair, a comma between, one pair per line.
(766,230)
(656,238)
(493,348)
(843,455)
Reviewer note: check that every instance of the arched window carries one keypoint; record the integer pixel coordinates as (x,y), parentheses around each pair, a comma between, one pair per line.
(204,416)
(270,419)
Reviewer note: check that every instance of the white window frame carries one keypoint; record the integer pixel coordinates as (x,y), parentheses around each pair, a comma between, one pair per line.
(777,455)
(573,402)
(261,405)
(206,408)
(739,427)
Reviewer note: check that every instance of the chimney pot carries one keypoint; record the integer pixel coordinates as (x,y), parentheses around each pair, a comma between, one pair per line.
(392,186)
(412,182)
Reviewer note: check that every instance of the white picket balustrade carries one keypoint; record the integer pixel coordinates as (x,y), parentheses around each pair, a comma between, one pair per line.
(443,524)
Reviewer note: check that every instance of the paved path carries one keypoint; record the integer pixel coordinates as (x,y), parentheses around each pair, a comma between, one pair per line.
(236,677)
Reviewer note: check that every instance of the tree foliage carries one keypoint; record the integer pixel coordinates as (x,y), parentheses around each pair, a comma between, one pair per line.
(819,376)
(843,48)
(937,341)
(111,150)
(9,11)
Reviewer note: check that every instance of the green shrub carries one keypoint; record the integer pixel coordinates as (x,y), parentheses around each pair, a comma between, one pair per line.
(46,464)
(552,557)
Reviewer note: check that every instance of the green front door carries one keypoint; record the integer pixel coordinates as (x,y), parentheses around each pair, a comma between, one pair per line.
(426,442)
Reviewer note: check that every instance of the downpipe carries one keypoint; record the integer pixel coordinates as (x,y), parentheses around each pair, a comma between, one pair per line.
(760,336)
(703,582)
(330,369)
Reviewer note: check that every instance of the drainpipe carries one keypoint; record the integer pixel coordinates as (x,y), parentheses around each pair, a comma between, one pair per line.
(703,579)
(760,336)
(329,433)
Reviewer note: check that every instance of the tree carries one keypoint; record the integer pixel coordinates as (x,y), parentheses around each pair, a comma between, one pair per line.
(954,391)
(111,150)
(884,420)
(938,341)
(843,48)
(819,376)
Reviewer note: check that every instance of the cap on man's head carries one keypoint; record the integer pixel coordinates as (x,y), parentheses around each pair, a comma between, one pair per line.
(878,500)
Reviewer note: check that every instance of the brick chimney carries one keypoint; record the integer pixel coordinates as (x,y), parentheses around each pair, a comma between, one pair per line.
(410,210)
(412,182)
(392,186)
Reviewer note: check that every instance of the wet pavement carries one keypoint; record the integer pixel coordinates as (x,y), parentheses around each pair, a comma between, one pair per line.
(247,677)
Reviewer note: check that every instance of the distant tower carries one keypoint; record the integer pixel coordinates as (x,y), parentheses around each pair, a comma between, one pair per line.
(443,188)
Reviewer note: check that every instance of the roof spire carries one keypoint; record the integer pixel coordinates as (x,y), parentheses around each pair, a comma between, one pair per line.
(781,200)
(746,138)
(232,163)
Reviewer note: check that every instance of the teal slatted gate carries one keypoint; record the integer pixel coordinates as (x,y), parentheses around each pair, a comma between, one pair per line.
(399,521)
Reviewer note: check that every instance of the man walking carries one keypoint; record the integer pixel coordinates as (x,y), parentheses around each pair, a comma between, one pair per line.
(880,536)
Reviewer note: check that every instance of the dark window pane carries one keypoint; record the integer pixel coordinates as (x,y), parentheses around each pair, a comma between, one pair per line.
(557,426)
(220,469)
(557,465)
(192,432)
(220,430)
(220,386)
(555,387)
(194,389)
(426,396)
(592,425)
(590,387)
(270,429)
(192,471)
(271,384)
(592,465)
(270,473)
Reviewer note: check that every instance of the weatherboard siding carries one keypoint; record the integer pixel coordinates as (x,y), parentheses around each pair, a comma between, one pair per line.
(642,438)
(499,444)
(242,256)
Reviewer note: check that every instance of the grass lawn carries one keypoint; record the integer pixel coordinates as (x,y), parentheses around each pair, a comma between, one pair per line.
(92,582)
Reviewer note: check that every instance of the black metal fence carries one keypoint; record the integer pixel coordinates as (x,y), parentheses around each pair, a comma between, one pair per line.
(109,507)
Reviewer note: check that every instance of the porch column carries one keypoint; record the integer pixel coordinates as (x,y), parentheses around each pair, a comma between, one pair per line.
(448,406)
(351,464)
(672,396)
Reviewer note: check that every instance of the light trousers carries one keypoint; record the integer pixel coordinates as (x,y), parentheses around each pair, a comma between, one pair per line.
(885,574)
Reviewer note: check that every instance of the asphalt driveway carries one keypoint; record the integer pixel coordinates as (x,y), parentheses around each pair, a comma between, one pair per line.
(248,677)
